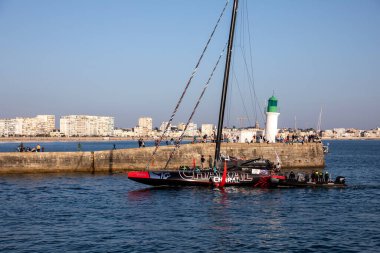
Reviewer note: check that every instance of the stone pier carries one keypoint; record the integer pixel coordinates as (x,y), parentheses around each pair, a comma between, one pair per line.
(308,155)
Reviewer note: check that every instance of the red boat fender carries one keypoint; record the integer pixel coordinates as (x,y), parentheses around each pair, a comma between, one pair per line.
(221,185)
(278,177)
(138,174)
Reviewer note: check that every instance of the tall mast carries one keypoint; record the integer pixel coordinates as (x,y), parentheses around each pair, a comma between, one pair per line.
(225,81)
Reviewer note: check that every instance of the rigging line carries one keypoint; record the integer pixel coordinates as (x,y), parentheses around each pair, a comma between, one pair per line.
(229,96)
(242,46)
(228,108)
(251,61)
(228,122)
(195,108)
(187,86)
(253,99)
(246,20)
(242,42)
(241,96)
(251,81)
(240,21)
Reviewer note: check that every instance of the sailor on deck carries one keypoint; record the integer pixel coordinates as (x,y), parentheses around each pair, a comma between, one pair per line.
(292,176)
(202,160)
(277,167)
(326,176)
(210,164)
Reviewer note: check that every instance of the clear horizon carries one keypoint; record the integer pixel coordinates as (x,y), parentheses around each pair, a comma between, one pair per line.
(128,59)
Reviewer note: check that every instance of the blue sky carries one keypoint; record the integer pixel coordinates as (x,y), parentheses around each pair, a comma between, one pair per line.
(132,58)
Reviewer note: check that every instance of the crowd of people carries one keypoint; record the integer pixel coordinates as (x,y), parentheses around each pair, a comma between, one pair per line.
(228,138)
(315,177)
(260,139)
(210,162)
(37,148)
(298,139)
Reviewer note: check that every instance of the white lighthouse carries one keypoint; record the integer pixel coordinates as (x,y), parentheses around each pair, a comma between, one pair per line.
(272,119)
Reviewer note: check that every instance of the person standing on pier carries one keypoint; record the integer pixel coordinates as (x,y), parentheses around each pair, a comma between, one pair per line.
(210,165)
(140,142)
(202,160)
(21,147)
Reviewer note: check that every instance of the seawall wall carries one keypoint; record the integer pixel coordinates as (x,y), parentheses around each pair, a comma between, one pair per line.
(308,155)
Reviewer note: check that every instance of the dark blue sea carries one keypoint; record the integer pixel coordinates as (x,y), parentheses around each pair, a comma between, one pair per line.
(73,146)
(109,213)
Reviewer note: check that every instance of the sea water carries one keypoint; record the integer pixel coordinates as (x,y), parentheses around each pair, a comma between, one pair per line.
(71,146)
(109,213)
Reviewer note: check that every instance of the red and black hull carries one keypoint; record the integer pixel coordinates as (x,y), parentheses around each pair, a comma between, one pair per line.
(206,178)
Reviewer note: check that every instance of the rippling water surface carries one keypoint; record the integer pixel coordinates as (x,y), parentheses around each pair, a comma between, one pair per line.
(109,213)
(73,145)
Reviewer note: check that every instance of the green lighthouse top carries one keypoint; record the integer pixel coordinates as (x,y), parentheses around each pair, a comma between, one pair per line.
(272,104)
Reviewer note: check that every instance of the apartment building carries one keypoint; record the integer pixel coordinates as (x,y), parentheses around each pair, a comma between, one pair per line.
(145,126)
(87,125)
(25,126)
(7,127)
(207,129)
(192,130)
(163,126)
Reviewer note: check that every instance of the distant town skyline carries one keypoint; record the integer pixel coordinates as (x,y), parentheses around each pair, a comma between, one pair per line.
(103,126)
(55,123)
(128,59)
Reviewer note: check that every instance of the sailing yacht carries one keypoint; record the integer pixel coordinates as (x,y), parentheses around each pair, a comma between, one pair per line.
(227,171)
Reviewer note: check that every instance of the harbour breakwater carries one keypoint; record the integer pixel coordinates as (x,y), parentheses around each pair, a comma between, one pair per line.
(297,155)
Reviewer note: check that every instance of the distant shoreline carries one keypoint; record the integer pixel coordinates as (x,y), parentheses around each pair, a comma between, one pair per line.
(62,139)
(89,139)
(72,139)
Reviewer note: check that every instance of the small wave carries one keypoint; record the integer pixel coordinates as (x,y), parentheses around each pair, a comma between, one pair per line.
(364,187)
(75,188)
